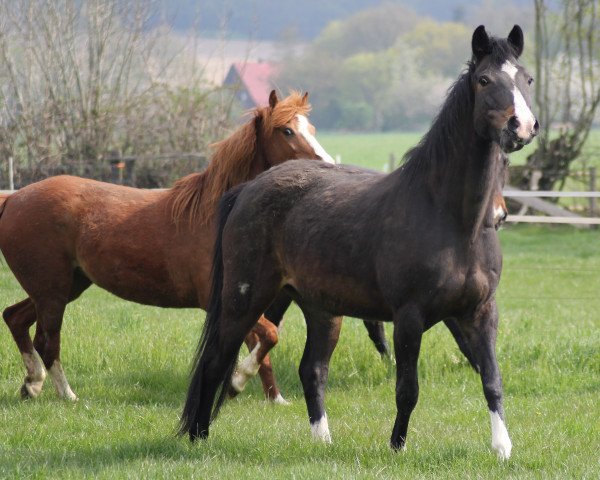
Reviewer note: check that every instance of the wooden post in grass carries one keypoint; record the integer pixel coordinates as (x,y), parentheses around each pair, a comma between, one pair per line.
(11,174)
(592,189)
(392,162)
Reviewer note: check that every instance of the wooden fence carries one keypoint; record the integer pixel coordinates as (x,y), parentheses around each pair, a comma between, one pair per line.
(555,214)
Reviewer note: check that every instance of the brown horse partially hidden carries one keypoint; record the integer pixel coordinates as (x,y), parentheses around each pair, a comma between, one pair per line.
(64,233)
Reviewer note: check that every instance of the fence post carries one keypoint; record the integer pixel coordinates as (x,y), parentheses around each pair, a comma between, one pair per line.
(11,174)
(392,163)
(592,189)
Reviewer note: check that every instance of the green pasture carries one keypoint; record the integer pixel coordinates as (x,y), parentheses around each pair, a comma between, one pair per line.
(372,150)
(129,366)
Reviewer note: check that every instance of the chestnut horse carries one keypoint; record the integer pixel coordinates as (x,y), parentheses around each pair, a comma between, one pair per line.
(414,247)
(64,233)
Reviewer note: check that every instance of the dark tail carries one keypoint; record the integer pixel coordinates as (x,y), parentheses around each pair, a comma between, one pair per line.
(189,422)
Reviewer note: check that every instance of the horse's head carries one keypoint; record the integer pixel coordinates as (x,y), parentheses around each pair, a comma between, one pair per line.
(502,110)
(286,131)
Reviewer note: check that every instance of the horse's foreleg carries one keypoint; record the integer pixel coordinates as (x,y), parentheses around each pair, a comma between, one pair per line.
(323,331)
(19,318)
(481,335)
(47,336)
(408,331)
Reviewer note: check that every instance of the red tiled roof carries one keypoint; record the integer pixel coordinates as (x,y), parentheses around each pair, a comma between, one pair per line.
(256,77)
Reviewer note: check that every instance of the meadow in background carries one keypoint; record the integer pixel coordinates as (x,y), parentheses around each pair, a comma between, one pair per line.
(129,365)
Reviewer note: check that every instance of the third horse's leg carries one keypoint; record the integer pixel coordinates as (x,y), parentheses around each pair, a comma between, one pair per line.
(260,341)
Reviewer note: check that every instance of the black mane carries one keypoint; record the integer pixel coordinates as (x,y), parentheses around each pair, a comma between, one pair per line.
(441,143)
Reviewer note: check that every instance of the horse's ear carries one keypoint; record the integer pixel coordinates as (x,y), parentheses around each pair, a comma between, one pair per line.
(273,99)
(305,98)
(480,43)
(516,41)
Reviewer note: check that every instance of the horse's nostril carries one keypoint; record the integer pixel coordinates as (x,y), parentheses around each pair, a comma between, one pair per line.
(513,124)
(536,127)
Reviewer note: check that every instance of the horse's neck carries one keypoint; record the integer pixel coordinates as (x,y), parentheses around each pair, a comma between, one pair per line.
(478,184)
(259,163)
(466,184)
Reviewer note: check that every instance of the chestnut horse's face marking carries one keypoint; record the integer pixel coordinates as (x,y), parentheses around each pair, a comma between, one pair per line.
(308,132)
(297,140)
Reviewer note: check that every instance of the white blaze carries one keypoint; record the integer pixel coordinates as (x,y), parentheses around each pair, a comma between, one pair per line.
(312,141)
(522,111)
(500,440)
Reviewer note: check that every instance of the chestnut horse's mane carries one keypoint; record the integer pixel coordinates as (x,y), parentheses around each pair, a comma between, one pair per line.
(198,194)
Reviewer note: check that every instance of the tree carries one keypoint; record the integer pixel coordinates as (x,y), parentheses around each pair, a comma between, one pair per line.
(84,79)
(567,86)
(380,69)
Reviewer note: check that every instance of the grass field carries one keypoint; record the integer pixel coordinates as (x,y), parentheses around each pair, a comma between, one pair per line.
(129,365)
(372,150)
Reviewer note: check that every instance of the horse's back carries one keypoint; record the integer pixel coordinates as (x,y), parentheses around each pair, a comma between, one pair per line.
(303,214)
(106,230)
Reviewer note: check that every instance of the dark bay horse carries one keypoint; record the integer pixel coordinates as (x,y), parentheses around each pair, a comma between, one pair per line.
(415,247)
(64,233)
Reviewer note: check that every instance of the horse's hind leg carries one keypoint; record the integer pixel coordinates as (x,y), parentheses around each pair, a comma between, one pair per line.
(461,341)
(19,318)
(323,331)
(377,335)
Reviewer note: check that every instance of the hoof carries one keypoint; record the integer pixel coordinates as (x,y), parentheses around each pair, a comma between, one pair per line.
(25,395)
(279,400)
(30,390)
(232,392)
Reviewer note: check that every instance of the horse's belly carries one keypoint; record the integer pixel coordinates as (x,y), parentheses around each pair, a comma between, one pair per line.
(343,296)
(139,280)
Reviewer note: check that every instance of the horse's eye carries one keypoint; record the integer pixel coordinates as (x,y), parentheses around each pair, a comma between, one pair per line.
(483,81)
(530,81)
(288,132)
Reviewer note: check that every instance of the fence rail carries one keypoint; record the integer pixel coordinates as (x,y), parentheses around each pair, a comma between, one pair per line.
(556,215)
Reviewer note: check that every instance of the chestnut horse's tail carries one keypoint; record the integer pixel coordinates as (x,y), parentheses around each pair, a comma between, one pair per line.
(189,422)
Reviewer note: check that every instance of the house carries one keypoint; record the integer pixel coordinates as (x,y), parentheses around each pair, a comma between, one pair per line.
(252,81)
